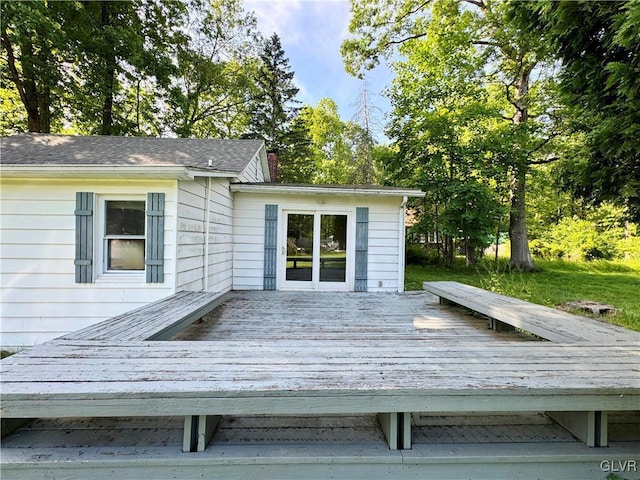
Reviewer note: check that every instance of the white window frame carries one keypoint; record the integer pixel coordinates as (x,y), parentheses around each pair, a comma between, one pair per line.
(315,284)
(101,261)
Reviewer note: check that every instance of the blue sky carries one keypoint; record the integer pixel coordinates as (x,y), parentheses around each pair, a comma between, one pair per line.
(311,32)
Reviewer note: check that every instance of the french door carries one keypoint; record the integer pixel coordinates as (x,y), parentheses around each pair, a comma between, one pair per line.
(316,252)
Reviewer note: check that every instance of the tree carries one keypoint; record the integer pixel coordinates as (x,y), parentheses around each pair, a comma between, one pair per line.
(31,35)
(364,136)
(274,105)
(597,43)
(330,149)
(120,48)
(209,94)
(77,59)
(492,52)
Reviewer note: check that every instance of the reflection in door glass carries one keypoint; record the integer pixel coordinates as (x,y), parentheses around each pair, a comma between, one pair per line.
(300,247)
(333,248)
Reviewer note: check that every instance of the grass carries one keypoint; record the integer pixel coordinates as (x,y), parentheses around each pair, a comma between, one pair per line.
(616,283)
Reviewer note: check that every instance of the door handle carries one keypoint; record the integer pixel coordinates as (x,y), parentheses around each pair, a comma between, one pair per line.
(283,250)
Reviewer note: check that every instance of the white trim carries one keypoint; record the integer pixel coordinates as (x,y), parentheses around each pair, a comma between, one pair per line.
(100,271)
(315,284)
(401,244)
(351,190)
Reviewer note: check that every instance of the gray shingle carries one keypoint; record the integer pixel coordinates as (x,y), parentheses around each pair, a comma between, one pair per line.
(45,149)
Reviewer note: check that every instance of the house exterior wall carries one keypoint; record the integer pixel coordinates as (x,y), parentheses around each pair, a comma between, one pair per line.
(385,261)
(40,299)
(204,229)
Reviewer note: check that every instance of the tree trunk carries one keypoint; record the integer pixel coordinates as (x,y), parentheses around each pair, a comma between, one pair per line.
(520,253)
(109,77)
(27,87)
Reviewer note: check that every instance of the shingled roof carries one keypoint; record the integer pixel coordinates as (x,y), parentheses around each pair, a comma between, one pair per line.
(34,149)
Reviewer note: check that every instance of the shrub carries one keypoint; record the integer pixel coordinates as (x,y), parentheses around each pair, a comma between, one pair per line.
(602,235)
(417,255)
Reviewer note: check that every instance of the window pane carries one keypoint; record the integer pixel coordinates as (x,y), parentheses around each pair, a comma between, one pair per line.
(125,218)
(299,247)
(333,248)
(125,254)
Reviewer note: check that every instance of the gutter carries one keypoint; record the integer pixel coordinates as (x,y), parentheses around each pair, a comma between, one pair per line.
(324,190)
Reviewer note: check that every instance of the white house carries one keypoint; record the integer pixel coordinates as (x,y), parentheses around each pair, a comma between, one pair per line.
(91,227)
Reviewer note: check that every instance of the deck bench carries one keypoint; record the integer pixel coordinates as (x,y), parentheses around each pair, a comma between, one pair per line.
(159,320)
(545,322)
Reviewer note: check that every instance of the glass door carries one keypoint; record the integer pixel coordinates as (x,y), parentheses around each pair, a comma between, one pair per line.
(299,247)
(316,251)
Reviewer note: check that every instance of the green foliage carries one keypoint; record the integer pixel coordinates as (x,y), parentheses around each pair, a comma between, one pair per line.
(139,67)
(274,103)
(601,234)
(473,101)
(332,151)
(597,43)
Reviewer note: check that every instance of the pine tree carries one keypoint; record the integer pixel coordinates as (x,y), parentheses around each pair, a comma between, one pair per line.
(274,105)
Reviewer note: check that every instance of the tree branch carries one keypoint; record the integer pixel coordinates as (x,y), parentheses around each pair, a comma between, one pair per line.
(402,17)
(15,75)
(478,3)
(405,39)
(543,162)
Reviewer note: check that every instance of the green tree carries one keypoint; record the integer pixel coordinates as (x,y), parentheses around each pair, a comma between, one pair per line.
(74,61)
(118,45)
(32,36)
(209,94)
(598,45)
(274,105)
(331,151)
(461,45)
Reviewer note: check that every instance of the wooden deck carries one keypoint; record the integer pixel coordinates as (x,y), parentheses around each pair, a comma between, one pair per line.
(401,359)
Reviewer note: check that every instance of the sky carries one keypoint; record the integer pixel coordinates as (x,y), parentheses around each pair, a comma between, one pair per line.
(311,32)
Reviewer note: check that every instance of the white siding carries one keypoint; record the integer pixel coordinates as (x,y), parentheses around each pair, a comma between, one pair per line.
(204,258)
(385,217)
(39,297)
(248,241)
(253,171)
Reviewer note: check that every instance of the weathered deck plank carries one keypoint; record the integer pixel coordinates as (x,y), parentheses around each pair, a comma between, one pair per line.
(176,378)
(156,321)
(548,323)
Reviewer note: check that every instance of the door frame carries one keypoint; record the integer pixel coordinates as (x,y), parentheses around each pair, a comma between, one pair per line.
(315,284)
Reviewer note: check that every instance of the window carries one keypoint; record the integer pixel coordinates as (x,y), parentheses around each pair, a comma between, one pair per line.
(124,235)
(129,233)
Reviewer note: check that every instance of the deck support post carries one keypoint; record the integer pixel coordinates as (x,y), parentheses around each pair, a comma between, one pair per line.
(590,427)
(198,430)
(397,429)
(499,326)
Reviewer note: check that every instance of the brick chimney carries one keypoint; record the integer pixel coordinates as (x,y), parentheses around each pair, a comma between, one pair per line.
(272,160)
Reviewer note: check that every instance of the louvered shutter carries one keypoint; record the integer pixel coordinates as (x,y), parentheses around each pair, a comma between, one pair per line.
(84,237)
(154,261)
(270,246)
(362,249)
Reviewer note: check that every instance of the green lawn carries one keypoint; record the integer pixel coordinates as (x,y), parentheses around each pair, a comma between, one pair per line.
(616,283)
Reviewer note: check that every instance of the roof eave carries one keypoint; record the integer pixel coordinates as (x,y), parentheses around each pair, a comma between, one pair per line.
(321,190)
(111,171)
